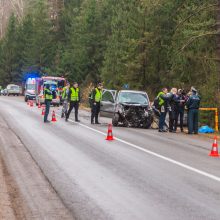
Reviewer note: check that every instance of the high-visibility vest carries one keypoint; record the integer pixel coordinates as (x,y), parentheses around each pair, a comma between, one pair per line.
(74,94)
(64,94)
(47,96)
(161,101)
(98,95)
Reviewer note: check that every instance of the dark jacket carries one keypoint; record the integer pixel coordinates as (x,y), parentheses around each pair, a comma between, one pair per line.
(173,102)
(193,102)
(181,102)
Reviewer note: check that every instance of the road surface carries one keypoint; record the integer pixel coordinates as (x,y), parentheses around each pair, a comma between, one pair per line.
(67,170)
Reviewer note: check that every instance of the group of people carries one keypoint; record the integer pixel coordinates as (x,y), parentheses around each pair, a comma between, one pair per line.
(71,99)
(174,103)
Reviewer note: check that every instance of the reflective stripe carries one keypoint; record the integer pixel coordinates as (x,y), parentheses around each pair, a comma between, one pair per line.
(74,94)
(98,95)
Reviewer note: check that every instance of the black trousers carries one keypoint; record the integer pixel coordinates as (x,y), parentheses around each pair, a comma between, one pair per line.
(95,112)
(172,120)
(179,114)
(47,110)
(75,105)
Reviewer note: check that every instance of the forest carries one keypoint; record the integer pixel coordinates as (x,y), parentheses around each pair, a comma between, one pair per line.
(144,44)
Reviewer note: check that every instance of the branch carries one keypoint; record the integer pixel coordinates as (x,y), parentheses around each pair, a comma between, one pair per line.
(192,39)
(193,14)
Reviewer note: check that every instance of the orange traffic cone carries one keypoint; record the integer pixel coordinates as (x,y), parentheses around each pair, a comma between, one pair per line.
(39,106)
(54,116)
(109,134)
(214,151)
(31,103)
(43,111)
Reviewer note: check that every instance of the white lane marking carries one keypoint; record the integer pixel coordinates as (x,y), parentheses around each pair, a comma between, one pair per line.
(155,154)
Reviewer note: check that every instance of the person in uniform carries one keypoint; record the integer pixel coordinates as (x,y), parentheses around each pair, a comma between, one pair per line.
(96,98)
(65,99)
(74,98)
(48,94)
(193,104)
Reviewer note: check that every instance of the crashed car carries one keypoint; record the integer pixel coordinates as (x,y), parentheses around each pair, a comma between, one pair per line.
(127,107)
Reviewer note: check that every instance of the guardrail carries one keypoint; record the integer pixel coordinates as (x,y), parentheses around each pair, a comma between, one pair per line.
(216,115)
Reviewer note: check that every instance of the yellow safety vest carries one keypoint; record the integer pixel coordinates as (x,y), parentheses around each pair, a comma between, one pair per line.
(98,95)
(47,96)
(74,94)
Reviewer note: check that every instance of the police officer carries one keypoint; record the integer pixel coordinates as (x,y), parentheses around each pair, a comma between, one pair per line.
(74,97)
(193,104)
(65,99)
(96,98)
(48,94)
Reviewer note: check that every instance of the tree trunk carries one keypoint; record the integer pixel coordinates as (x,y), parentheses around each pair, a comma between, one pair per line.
(218,43)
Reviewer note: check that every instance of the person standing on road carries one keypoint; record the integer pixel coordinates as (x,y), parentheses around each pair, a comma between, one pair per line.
(181,108)
(173,105)
(163,100)
(96,99)
(193,104)
(74,97)
(48,94)
(65,99)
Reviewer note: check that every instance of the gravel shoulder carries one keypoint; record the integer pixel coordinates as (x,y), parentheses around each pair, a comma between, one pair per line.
(25,193)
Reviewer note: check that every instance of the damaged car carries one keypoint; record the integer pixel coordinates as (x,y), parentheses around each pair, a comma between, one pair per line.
(127,107)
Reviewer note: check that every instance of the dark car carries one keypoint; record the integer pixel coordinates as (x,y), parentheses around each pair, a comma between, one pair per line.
(127,107)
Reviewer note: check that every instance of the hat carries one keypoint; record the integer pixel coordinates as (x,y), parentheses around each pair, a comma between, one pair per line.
(193,89)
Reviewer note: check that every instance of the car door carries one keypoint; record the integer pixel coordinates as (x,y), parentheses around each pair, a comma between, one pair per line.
(108,103)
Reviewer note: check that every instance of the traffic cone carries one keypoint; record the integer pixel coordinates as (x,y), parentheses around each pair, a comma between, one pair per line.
(54,116)
(39,106)
(43,111)
(109,134)
(31,104)
(214,151)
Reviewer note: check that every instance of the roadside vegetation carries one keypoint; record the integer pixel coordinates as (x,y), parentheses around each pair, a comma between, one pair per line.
(146,44)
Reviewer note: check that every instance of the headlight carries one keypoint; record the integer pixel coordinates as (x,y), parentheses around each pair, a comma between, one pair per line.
(120,108)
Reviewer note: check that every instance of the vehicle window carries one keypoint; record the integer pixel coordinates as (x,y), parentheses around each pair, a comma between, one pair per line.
(107,96)
(14,87)
(133,98)
(30,86)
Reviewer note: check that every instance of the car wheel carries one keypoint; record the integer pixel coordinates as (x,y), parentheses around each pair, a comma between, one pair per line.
(115,119)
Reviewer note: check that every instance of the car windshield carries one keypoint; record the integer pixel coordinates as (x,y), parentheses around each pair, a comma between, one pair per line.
(133,98)
(30,86)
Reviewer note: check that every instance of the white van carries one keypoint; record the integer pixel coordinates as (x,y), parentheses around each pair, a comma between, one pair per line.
(13,89)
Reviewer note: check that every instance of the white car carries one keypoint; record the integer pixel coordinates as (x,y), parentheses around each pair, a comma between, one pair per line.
(13,89)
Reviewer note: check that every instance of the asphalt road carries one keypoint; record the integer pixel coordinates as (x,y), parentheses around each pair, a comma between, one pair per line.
(142,174)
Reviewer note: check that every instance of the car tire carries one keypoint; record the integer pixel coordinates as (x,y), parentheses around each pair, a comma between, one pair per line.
(115,119)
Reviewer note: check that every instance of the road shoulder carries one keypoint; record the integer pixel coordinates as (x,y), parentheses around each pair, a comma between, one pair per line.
(25,191)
